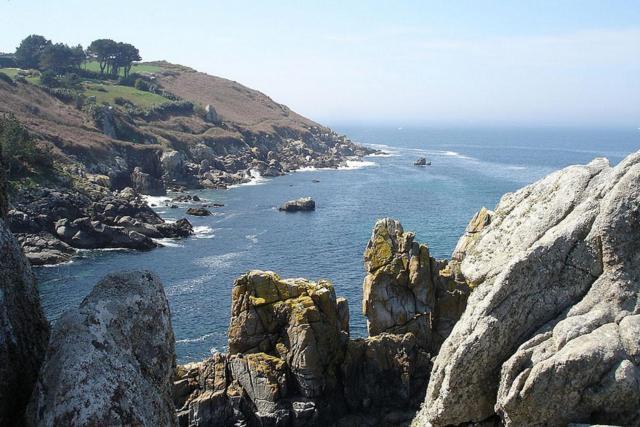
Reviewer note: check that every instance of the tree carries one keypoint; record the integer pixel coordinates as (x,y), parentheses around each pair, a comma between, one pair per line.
(57,57)
(125,55)
(30,49)
(103,51)
(78,56)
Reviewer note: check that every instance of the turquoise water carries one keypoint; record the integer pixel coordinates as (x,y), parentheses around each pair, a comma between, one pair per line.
(470,169)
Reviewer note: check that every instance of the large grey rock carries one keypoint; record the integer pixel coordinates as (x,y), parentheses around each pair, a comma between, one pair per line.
(550,334)
(24,331)
(111,360)
(406,290)
(145,183)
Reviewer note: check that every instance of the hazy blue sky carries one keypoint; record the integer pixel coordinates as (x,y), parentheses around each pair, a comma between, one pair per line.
(400,62)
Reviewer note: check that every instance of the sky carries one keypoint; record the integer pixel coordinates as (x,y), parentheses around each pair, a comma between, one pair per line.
(473,62)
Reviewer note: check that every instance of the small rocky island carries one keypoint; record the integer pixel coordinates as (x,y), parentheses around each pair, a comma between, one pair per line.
(302,204)
(533,321)
(422,161)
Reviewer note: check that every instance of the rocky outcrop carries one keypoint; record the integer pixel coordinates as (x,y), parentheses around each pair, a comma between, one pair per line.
(302,204)
(24,331)
(86,234)
(210,114)
(550,335)
(290,362)
(406,290)
(111,360)
(44,248)
(422,161)
(386,374)
(50,223)
(145,183)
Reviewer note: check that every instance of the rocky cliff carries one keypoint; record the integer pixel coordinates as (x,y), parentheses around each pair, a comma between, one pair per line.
(550,332)
(546,285)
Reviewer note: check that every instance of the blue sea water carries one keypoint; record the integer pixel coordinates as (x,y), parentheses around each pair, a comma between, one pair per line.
(470,168)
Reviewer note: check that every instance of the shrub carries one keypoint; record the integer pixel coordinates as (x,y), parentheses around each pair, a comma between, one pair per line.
(19,149)
(49,79)
(63,94)
(141,84)
(123,102)
(7,79)
(130,80)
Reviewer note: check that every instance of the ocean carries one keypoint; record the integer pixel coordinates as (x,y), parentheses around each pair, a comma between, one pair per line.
(470,168)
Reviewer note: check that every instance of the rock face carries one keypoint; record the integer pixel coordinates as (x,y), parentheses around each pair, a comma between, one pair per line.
(406,290)
(211,115)
(111,360)
(290,362)
(24,331)
(144,183)
(551,333)
(302,204)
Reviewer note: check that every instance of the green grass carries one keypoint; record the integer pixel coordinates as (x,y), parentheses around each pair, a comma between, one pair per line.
(133,95)
(110,91)
(12,72)
(137,68)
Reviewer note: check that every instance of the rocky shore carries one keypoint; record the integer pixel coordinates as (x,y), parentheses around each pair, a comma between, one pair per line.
(535,320)
(52,225)
(212,133)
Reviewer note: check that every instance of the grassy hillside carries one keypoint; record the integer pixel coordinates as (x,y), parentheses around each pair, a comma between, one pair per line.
(136,68)
(108,93)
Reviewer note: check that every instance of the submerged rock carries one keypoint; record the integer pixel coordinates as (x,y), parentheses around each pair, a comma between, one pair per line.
(111,360)
(303,204)
(24,330)
(550,335)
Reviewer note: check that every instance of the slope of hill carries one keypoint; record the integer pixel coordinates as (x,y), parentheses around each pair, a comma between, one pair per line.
(174,129)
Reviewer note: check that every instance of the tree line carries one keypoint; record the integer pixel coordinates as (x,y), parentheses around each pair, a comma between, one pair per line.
(37,52)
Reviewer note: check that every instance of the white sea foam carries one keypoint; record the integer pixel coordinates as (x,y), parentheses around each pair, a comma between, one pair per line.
(196,339)
(516,168)
(253,238)
(456,154)
(156,200)
(168,242)
(357,164)
(254,177)
(203,232)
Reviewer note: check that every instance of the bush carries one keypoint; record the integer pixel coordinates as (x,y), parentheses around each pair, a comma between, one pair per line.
(142,85)
(130,80)
(49,79)
(19,149)
(7,79)
(63,94)
(123,102)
